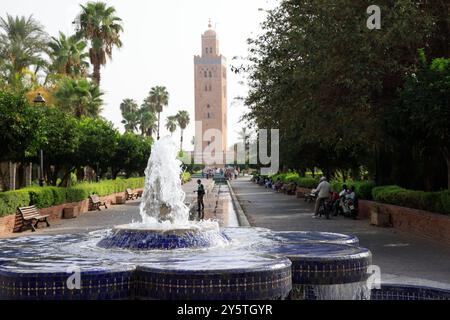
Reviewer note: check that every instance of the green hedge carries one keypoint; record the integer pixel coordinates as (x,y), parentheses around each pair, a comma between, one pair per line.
(10,200)
(303,182)
(50,196)
(438,202)
(363,188)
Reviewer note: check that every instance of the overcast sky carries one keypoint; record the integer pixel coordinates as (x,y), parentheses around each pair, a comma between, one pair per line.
(160,39)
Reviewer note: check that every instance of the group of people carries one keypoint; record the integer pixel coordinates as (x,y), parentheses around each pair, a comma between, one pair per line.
(344,202)
(328,202)
(230,173)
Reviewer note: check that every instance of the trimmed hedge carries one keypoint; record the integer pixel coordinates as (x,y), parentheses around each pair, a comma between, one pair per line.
(10,200)
(50,196)
(438,202)
(304,182)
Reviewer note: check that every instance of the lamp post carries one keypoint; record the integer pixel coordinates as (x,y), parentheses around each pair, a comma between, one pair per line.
(40,100)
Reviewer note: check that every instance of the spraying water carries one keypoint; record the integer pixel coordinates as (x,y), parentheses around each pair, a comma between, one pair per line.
(162,205)
(163,197)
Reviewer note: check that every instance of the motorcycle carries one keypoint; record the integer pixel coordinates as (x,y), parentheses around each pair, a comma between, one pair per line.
(349,208)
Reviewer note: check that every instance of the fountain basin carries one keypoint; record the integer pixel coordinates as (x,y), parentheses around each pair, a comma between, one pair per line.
(271,281)
(314,237)
(252,265)
(141,238)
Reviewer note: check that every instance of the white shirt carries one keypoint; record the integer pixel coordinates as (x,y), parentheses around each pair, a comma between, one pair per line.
(323,189)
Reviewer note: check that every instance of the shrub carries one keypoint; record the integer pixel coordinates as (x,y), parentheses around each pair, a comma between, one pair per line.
(41,197)
(44,197)
(363,188)
(10,200)
(438,202)
(186,177)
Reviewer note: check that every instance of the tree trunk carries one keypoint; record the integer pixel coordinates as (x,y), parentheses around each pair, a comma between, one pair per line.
(446,153)
(96,74)
(12,176)
(159,121)
(181,141)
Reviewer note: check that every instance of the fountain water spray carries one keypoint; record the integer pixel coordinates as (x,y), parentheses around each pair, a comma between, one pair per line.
(163,197)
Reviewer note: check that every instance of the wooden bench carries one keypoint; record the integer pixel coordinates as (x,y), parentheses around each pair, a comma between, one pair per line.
(130,195)
(96,203)
(29,217)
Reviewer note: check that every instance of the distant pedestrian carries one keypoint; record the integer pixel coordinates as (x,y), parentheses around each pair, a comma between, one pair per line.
(200,194)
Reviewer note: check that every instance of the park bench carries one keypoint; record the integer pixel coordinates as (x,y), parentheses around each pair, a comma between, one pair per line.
(29,217)
(96,203)
(130,195)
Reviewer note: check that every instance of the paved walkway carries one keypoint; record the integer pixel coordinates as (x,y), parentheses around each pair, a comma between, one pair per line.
(402,257)
(129,212)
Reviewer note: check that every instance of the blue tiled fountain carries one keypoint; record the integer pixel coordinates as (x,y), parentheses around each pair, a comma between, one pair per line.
(168,257)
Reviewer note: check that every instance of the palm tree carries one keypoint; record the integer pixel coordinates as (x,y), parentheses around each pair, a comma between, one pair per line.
(171,124)
(130,114)
(147,121)
(79,97)
(183,121)
(98,24)
(22,43)
(68,56)
(158,99)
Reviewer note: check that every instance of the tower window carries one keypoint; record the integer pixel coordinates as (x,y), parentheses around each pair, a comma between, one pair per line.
(210,74)
(206,74)
(208,115)
(206,88)
(210,50)
(208,106)
(210,88)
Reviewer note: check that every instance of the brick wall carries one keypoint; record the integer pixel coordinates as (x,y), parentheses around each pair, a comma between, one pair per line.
(423,223)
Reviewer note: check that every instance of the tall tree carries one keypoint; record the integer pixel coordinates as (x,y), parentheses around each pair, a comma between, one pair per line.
(422,115)
(98,24)
(171,124)
(156,101)
(130,114)
(68,56)
(79,97)
(22,44)
(183,121)
(323,78)
(147,121)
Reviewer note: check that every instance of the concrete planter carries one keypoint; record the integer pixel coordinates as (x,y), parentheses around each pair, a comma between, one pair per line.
(120,200)
(379,218)
(70,213)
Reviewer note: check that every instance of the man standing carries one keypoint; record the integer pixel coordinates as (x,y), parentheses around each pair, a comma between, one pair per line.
(323,193)
(200,195)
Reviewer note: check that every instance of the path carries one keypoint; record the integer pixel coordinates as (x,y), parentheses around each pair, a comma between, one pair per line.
(129,212)
(402,257)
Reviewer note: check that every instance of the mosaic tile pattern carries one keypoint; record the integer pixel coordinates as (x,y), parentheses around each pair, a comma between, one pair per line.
(405,292)
(273,282)
(99,285)
(144,240)
(326,263)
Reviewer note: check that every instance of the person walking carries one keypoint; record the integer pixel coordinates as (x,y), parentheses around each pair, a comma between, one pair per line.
(323,192)
(200,194)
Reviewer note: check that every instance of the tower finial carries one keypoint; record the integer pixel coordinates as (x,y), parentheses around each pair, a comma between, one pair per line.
(209,23)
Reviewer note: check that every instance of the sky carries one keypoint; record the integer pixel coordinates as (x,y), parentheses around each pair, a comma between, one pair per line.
(160,40)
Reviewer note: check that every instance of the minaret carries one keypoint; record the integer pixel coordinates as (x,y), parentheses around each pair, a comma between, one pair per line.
(210,92)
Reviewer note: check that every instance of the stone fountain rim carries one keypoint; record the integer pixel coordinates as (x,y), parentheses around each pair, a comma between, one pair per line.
(174,231)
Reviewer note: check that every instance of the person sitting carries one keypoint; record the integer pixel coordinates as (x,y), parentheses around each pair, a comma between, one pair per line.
(278,185)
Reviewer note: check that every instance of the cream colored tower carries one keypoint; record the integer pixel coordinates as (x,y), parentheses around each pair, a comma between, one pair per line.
(210,93)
